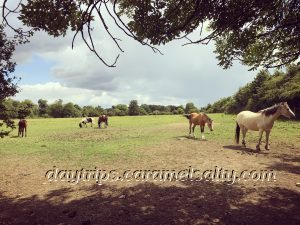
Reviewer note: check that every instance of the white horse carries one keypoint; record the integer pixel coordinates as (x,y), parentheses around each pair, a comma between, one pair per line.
(261,121)
(85,121)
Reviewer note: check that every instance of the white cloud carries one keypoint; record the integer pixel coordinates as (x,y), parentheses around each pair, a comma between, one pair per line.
(182,74)
(53,91)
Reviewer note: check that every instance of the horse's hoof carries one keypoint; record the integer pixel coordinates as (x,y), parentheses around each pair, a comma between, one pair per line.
(267,148)
(257,148)
(244,144)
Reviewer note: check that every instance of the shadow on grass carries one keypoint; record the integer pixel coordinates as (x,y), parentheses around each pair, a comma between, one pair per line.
(244,149)
(148,203)
(290,168)
(289,158)
(14,136)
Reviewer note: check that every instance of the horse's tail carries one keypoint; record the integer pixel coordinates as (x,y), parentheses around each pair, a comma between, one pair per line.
(187,116)
(237,133)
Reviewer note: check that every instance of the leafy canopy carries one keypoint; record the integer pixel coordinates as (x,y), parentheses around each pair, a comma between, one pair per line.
(258,33)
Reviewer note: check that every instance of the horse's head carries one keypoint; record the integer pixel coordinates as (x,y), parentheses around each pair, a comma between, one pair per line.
(210,124)
(285,110)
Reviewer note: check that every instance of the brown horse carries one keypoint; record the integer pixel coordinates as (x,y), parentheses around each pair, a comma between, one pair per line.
(103,119)
(22,127)
(199,119)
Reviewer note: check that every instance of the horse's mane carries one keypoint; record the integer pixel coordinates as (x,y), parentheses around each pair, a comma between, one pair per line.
(270,111)
(209,119)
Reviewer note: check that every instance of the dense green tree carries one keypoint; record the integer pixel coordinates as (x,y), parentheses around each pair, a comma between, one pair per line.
(110,112)
(99,110)
(217,107)
(146,108)
(142,111)
(8,86)
(69,110)
(180,110)
(43,107)
(121,110)
(133,109)
(56,109)
(190,108)
(89,111)
(264,91)
(26,108)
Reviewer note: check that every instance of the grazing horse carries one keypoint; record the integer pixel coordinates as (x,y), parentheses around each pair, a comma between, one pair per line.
(261,121)
(85,121)
(103,119)
(22,127)
(199,119)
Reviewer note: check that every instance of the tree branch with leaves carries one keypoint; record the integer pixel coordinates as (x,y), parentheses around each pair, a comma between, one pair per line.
(257,33)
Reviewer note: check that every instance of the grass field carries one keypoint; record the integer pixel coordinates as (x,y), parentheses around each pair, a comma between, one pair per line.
(147,142)
(62,139)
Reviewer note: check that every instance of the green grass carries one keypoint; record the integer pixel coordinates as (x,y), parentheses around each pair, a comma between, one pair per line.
(62,139)
(58,140)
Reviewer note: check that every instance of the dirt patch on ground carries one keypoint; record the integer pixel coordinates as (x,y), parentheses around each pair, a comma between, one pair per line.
(26,197)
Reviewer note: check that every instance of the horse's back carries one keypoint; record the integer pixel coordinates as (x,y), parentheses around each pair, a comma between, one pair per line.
(196,118)
(22,123)
(248,119)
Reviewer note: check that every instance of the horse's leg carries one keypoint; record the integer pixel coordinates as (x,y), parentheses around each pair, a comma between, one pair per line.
(190,129)
(259,140)
(244,131)
(194,131)
(202,132)
(267,147)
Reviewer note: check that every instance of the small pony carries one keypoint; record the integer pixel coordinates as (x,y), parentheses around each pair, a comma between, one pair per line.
(261,121)
(22,127)
(199,119)
(103,119)
(85,121)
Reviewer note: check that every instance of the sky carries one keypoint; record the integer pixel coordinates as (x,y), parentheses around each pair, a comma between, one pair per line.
(50,69)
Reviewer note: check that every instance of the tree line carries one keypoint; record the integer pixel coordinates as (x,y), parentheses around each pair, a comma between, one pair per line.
(23,109)
(265,90)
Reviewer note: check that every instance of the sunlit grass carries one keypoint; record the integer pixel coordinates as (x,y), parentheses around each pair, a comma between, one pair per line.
(60,140)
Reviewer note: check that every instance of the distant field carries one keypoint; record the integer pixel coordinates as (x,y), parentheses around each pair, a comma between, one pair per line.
(61,139)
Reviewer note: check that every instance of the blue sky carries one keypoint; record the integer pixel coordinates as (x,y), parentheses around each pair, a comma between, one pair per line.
(35,72)
(51,70)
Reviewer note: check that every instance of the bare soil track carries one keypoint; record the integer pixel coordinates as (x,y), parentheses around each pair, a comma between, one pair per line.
(27,198)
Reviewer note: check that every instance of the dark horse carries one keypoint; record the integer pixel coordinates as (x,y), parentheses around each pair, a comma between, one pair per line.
(103,119)
(22,127)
